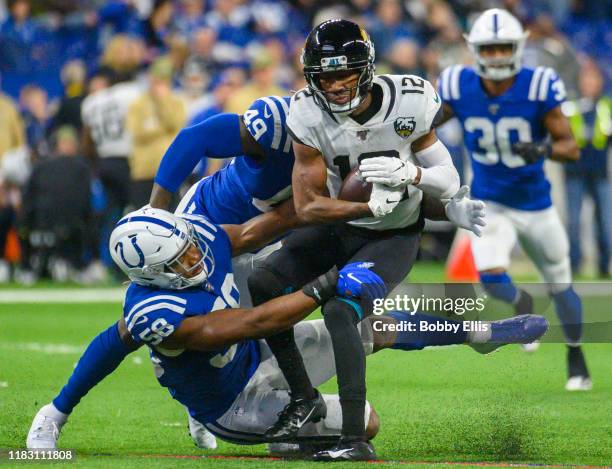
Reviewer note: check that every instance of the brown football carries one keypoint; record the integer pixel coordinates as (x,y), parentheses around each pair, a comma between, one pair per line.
(354,188)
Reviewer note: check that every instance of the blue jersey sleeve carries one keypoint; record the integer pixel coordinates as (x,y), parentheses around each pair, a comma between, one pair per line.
(153,319)
(216,137)
(556,92)
(546,88)
(266,122)
(449,84)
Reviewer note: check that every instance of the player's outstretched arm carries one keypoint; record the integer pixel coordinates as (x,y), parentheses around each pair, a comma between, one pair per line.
(564,146)
(312,204)
(264,228)
(221,136)
(224,327)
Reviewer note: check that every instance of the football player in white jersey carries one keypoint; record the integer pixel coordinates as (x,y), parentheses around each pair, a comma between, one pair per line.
(508,113)
(347,118)
(106,140)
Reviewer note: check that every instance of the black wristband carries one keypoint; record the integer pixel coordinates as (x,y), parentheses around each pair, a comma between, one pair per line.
(323,287)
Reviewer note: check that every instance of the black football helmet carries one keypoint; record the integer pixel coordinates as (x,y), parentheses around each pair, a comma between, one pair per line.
(337,45)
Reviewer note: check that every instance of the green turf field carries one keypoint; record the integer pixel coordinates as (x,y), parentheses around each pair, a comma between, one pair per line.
(444,405)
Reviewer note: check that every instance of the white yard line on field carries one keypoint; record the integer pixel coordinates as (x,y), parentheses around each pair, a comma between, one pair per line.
(67,295)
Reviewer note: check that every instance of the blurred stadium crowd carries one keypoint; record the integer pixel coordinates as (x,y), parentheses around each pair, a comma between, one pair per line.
(191,59)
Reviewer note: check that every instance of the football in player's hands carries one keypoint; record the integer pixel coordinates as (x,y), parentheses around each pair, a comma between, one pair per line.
(354,188)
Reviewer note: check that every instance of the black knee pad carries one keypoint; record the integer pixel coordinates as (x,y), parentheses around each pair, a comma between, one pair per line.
(265,284)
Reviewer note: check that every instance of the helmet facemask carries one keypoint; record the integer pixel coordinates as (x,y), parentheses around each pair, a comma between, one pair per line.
(498,68)
(358,92)
(180,275)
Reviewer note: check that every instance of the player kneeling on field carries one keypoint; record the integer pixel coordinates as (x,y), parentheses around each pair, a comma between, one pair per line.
(183,304)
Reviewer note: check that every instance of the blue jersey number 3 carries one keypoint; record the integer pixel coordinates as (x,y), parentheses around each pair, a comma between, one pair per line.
(494,141)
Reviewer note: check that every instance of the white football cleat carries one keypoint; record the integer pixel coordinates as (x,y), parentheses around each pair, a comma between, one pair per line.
(200,435)
(531,347)
(46,427)
(579,383)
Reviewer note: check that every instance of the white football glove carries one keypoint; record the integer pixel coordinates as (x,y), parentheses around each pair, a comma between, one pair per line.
(388,170)
(465,212)
(384,199)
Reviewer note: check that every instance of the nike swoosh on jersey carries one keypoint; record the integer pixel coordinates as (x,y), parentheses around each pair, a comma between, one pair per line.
(392,201)
(267,114)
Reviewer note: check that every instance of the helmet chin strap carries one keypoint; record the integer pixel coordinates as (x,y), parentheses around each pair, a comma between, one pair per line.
(496,73)
(350,106)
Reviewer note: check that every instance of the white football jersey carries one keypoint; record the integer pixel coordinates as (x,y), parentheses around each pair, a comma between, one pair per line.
(104,112)
(408,109)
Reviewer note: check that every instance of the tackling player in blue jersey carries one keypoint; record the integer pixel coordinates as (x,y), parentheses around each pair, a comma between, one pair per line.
(252,184)
(183,304)
(224,197)
(507,113)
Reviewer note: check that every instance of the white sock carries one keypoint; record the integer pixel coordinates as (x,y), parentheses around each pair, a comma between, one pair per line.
(480,337)
(55,414)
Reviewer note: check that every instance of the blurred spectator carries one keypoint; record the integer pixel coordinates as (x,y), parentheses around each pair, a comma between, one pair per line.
(191,17)
(56,212)
(447,47)
(388,25)
(153,120)
(12,137)
(156,27)
(403,58)
(123,55)
(547,47)
(11,126)
(119,17)
(591,122)
(73,77)
(36,119)
(230,81)
(108,145)
(201,61)
(231,22)
(263,83)
(22,39)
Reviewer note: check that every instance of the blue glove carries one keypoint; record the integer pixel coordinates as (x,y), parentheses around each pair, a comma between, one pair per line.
(356,280)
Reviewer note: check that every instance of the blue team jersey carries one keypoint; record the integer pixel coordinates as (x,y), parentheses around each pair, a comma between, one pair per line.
(268,182)
(492,124)
(205,382)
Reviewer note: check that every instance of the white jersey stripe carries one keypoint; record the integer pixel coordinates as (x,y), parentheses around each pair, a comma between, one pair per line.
(548,73)
(186,206)
(177,299)
(203,232)
(200,219)
(285,107)
(155,307)
(533,86)
(454,84)
(278,126)
(445,83)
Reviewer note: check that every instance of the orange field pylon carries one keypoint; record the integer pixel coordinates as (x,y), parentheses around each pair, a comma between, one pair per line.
(460,266)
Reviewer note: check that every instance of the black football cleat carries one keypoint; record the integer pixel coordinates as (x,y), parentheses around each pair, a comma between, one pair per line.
(579,378)
(294,416)
(524,305)
(347,450)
